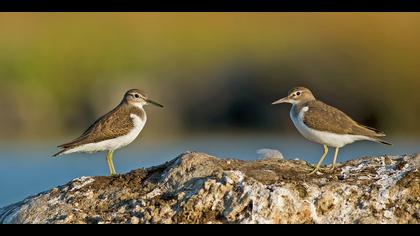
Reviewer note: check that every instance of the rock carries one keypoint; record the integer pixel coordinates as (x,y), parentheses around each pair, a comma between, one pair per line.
(266,153)
(198,188)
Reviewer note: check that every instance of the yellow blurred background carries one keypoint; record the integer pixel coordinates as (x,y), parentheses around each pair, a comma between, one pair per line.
(214,72)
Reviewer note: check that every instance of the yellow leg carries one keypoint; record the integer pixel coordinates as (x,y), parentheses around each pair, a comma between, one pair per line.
(320,160)
(110,163)
(335,158)
(113,167)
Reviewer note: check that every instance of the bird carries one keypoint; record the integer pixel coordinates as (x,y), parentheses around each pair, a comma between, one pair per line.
(326,125)
(114,130)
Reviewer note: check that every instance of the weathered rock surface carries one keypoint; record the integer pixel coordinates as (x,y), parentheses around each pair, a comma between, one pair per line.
(198,188)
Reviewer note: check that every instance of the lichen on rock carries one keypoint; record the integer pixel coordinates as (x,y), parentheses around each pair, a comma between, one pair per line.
(198,188)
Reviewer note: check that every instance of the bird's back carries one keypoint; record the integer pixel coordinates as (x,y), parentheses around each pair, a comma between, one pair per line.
(115,123)
(324,117)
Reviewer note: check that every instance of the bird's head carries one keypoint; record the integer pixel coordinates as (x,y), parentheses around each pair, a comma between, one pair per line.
(138,98)
(297,95)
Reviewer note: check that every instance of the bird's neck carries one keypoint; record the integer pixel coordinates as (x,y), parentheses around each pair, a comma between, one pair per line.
(296,108)
(136,109)
(306,99)
(138,105)
(139,110)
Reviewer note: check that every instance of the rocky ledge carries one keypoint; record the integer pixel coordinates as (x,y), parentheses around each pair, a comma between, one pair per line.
(198,188)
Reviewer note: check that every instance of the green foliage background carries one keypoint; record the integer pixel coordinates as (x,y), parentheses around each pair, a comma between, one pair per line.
(59,71)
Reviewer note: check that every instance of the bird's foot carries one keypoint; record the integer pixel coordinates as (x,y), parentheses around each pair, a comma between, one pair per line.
(314,171)
(331,169)
(328,170)
(113,174)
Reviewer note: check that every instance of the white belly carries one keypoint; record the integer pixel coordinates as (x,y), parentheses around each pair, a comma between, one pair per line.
(323,137)
(115,143)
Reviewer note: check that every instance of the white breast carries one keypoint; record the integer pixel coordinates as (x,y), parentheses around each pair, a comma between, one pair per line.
(131,136)
(116,143)
(322,137)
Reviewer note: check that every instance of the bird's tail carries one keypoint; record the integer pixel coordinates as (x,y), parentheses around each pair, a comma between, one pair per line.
(376,132)
(60,153)
(378,140)
(375,135)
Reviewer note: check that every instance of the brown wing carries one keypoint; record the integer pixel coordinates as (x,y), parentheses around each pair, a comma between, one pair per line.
(106,127)
(327,118)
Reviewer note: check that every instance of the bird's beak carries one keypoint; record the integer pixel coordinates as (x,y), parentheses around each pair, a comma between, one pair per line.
(154,103)
(283,100)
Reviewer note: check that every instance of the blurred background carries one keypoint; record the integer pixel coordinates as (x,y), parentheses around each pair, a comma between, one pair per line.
(216,74)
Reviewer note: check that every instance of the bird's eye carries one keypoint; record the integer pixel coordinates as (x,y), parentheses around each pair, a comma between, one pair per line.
(136,95)
(298,93)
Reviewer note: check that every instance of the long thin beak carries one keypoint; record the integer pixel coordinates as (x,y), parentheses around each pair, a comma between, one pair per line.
(154,103)
(283,100)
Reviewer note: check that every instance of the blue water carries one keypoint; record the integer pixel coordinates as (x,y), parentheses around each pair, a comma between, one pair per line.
(27,170)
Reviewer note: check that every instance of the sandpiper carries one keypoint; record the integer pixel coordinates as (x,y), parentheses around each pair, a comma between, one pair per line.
(114,130)
(325,124)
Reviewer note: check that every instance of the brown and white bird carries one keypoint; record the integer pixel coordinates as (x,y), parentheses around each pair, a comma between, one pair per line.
(324,124)
(114,130)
